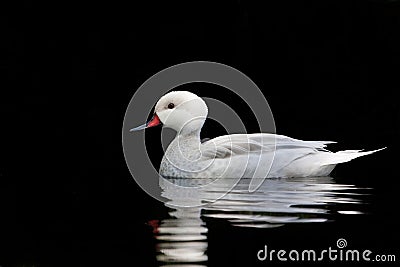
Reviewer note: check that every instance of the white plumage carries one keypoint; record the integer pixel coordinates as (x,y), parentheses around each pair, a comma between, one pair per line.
(238,155)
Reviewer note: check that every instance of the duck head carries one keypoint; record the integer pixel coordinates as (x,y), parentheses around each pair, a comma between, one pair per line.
(182,111)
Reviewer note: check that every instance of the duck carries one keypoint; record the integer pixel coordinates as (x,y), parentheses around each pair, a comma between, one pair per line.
(257,155)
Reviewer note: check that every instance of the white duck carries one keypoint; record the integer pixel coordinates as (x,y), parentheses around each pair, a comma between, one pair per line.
(238,155)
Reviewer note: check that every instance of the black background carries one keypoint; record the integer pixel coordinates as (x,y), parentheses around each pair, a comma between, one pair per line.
(329,70)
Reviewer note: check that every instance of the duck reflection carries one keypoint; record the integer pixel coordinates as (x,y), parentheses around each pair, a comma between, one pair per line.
(182,238)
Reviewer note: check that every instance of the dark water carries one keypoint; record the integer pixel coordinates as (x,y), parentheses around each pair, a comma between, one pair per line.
(182,237)
(126,227)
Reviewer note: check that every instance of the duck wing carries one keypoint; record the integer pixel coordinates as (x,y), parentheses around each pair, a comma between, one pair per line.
(242,144)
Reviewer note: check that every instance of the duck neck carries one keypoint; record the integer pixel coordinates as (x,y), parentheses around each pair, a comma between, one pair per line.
(191,130)
(186,145)
(189,136)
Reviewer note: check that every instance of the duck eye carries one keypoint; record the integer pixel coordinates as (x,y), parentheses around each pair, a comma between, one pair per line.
(171,105)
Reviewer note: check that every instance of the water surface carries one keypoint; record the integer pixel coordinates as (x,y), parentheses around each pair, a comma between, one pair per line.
(182,238)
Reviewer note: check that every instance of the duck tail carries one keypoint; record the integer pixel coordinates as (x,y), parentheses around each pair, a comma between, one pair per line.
(346,155)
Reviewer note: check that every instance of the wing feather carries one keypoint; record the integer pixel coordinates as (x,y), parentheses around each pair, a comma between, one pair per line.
(241,144)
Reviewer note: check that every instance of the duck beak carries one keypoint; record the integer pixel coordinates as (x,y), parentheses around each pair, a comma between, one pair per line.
(153,122)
